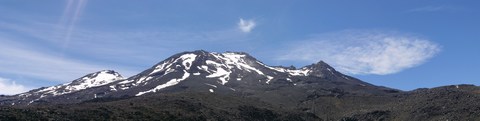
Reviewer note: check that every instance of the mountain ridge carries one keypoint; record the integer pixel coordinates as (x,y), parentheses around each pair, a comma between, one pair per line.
(218,72)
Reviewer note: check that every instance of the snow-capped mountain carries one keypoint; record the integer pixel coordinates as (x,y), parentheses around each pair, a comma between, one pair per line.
(91,80)
(202,71)
(96,79)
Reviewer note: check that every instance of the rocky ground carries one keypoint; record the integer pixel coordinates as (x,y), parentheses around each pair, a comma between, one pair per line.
(442,103)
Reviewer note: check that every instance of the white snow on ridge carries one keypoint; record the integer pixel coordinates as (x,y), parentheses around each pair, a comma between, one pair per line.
(210,85)
(205,68)
(228,61)
(188,60)
(100,79)
(269,78)
(112,88)
(168,84)
(162,66)
(301,72)
(289,80)
(297,72)
(237,59)
(222,74)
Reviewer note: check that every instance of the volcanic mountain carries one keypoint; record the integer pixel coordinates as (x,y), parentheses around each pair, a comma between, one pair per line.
(202,71)
(201,85)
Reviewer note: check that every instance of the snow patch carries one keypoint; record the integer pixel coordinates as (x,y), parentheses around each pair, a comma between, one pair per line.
(112,88)
(346,78)
(99,79)
(289,80)
(330,70)
(239,62)
(126,81)
(188,60)
(297,72)
(229,61)
(220,73)
(269,79)
(168,84)
(211,85)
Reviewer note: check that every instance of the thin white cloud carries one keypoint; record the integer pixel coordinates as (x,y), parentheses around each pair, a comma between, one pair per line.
(364,51)
(71,16)
(8,87)
(113,46)
(433,9)
(22,60)
(246,25)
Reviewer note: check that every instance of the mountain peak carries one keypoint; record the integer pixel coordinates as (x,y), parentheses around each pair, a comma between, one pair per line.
(197,52)
(206,53)
(322,69)
(97,78)
(321,65)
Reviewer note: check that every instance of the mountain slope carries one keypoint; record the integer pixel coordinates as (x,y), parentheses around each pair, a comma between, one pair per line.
(457,102)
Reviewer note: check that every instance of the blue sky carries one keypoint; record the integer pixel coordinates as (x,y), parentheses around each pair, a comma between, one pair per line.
(404,44)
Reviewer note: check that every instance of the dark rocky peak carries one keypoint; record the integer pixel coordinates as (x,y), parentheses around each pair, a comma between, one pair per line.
(320,66)
(322,69)
(291,67)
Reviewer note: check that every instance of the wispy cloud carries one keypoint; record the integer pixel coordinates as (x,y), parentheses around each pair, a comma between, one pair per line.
(365,51)
(246,25)
(8,87)
(70,17)
(24,60)
(433,9)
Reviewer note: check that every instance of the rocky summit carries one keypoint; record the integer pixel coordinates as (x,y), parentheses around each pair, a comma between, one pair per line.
(201,85)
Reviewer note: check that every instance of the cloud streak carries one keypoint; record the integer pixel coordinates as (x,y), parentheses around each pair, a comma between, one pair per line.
(8,87)
(24,60)
(71,18)
(246,25)
(364,51)
(433,9)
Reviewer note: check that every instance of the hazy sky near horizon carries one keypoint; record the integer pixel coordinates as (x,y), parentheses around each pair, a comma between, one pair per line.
(404,44)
